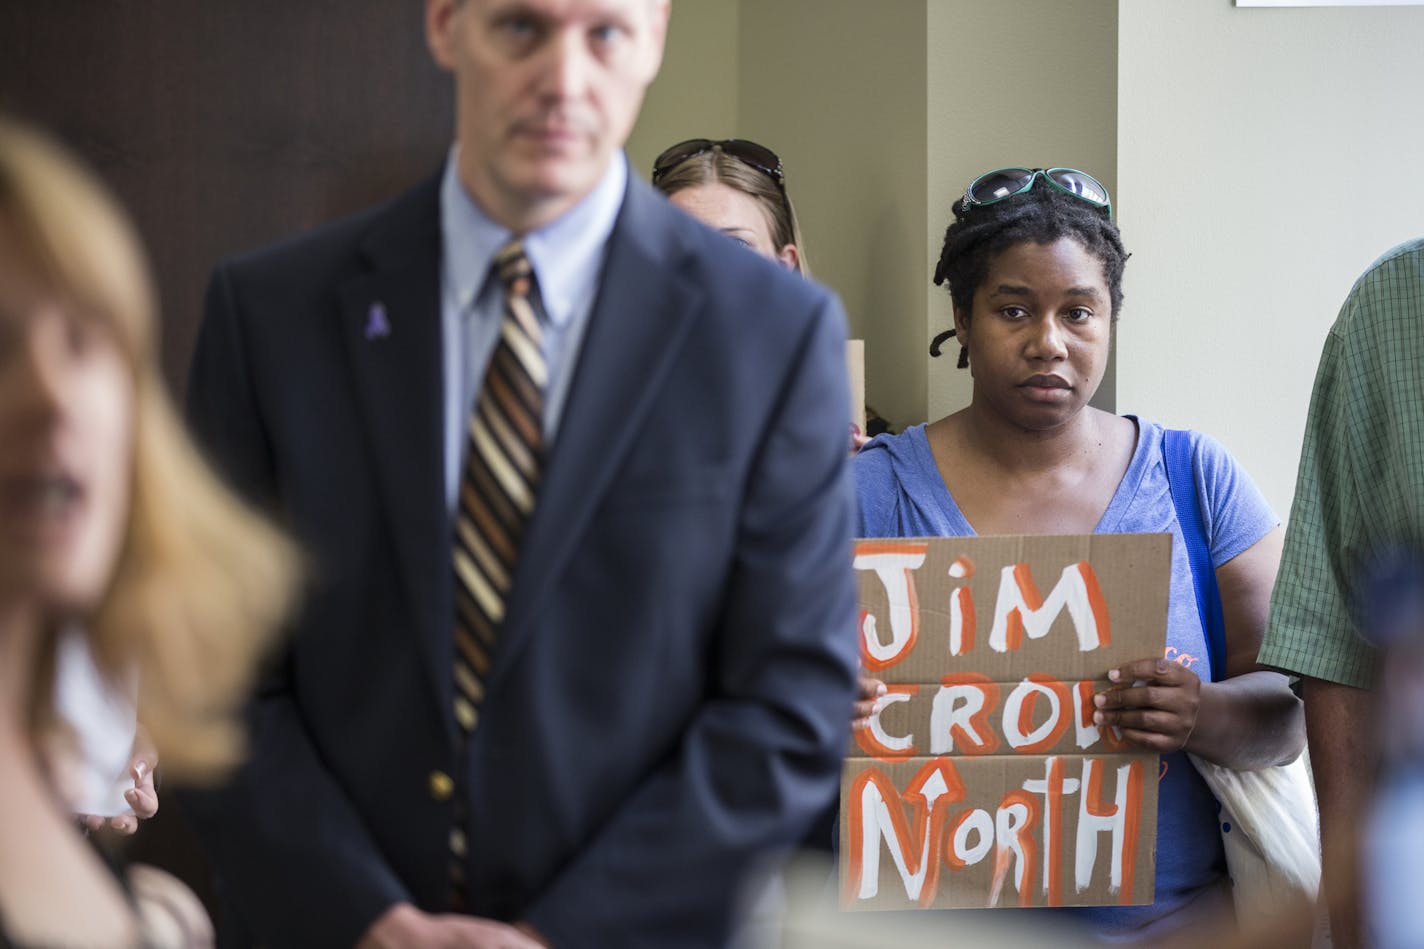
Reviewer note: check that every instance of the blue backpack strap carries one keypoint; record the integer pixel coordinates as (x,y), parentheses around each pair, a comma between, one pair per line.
(1177,457)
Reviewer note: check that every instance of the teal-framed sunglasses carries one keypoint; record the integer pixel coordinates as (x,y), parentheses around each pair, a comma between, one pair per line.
(994,186)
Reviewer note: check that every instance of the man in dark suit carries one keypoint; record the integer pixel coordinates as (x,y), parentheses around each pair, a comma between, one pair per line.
(671,623)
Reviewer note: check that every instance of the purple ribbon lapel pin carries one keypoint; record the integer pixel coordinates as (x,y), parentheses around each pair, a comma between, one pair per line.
(377,325)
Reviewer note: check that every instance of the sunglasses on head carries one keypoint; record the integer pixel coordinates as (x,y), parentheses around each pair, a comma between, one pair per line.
(750,154)
(1002,183)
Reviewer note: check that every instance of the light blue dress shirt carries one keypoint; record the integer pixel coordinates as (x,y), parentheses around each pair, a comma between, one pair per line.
(567,257)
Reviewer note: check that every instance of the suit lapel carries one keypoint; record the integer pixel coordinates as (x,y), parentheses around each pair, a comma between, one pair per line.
(392,327)
(643,311)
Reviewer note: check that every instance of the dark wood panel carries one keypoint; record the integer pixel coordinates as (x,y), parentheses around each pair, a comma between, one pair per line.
(224,124)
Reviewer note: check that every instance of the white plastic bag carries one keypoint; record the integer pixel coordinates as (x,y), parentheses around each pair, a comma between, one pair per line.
(1270,830)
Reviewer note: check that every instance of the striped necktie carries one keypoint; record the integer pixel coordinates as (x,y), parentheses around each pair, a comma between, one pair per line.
(504,452)
(503,455)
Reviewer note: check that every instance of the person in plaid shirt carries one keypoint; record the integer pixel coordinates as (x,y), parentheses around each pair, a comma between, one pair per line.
(1359,494)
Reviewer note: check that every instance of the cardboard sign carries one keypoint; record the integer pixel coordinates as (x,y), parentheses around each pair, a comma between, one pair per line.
(855,369)
(982,780)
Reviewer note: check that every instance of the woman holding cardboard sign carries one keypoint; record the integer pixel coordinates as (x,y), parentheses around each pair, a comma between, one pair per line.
(1034,267)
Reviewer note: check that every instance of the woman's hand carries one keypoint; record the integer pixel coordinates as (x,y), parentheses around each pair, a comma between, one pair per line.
(142,797)
(857,440)
(867,694)
(1157,709)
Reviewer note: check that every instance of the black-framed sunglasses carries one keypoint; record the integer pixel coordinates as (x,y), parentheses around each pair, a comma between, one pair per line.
(994,186)
(748,153)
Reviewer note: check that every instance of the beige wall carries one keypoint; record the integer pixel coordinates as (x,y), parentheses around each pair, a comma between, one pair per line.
(1266,156)
(1011,82)
(838,88)
(695,94)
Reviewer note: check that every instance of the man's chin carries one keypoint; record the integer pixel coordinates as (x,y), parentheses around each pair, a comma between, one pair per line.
(557,178)
(527,193)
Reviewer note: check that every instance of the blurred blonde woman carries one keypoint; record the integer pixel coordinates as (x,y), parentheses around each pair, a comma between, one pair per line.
(109,524)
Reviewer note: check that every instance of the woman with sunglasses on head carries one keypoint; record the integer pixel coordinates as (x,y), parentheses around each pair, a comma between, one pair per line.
(111,529)
(1034,267)
(737,187)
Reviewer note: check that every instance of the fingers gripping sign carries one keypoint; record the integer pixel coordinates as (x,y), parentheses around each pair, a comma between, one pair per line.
(868,693)
(1155,705)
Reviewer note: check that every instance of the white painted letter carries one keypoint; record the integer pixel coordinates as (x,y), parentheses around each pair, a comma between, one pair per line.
(894,568)
(1020,610)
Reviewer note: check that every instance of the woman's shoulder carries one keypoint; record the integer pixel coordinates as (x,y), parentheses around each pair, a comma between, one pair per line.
(888,470)
(1206,451)
(1236,513)
(887,455)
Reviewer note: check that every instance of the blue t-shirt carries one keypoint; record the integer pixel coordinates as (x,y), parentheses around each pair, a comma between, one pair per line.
(901,494)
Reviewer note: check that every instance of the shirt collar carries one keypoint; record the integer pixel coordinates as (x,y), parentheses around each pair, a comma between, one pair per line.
(565,254)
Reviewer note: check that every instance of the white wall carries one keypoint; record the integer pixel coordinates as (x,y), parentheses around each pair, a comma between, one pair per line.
(1265,157)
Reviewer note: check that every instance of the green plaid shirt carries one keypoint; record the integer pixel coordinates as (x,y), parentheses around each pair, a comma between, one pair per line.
(1360,488)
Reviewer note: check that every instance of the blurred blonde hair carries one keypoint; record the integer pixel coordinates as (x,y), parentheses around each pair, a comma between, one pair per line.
(201,583)
(715,166)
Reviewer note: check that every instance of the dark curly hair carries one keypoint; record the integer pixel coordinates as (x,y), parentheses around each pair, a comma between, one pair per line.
(1040,216)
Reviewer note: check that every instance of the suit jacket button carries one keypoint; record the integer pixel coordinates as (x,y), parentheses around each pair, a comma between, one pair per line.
(441,786)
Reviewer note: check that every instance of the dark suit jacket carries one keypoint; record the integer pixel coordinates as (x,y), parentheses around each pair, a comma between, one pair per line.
(672,684)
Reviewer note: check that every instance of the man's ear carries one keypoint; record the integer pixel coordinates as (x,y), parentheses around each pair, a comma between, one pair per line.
(439,31)
(658,26)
